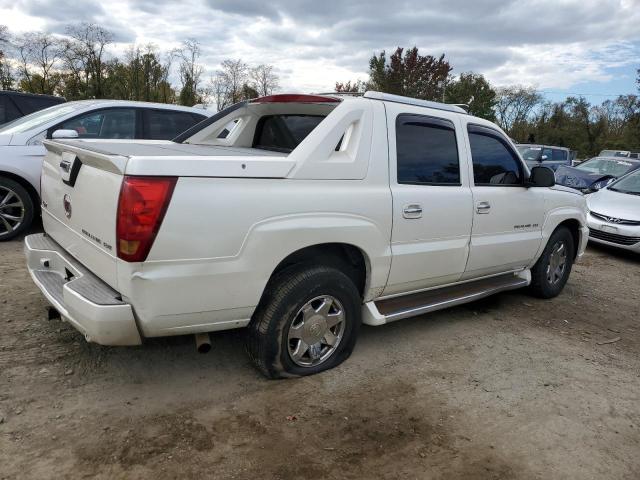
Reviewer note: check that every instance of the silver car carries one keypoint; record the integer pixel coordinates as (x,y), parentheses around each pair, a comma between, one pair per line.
(614,217)
(21,148)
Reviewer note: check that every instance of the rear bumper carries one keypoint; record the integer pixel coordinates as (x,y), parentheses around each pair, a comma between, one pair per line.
(82,299)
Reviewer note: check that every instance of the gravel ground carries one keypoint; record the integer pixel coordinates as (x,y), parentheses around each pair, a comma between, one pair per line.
(509,387)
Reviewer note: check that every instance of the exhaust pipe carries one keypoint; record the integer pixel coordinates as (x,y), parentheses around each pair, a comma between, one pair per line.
(203,342)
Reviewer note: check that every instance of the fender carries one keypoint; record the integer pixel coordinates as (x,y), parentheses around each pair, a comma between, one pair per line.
(554,218)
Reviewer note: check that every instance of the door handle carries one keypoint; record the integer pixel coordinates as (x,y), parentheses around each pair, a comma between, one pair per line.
(483,207)
(412,211)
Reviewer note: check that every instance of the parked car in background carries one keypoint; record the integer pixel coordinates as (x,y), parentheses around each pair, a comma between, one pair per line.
(544,155)
(299,217)
(21,148)
(14,105)
(595,173)
(619,153)
(614,217)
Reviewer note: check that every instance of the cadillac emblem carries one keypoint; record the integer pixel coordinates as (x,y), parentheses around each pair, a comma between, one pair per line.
(66,202)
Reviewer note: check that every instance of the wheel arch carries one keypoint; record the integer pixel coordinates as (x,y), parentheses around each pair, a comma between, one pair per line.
(26,184)
(351,259)
(573,226)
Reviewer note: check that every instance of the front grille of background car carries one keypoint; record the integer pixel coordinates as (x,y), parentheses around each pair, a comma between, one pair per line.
(613,237)
(619,221)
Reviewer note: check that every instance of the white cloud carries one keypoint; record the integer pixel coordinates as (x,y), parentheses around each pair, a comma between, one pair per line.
(312,44)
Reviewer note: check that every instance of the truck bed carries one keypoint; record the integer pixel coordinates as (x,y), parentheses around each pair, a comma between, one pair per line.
(157,157)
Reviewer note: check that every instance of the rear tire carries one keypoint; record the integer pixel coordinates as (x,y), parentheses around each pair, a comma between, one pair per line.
(551,272)
(16,209)
(307,322)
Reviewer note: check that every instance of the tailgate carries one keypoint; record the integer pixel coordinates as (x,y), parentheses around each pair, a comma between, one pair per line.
(80,190)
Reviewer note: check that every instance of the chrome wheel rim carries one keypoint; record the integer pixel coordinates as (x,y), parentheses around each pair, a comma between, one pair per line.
(11,211)
(557,263)
(316,331)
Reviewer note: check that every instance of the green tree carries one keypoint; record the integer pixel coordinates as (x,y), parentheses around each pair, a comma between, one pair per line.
(409,74)
(474,90)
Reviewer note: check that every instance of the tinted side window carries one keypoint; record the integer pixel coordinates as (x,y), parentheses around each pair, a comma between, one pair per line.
(33,104)
(168,124)
(283,133)
(112,123)
(493,162)
(558,155)
(547,153)
(8,110)
(427,151)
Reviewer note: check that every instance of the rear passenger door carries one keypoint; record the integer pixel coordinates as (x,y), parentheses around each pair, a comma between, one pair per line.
(167,124)
(432,204)
(507,216)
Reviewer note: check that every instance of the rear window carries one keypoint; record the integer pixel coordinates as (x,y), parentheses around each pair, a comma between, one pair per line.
(283,133)
(167,124)
(559,155)
(34,104)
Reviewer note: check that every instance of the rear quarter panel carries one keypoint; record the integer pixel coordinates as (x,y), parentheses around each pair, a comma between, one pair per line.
(222,238)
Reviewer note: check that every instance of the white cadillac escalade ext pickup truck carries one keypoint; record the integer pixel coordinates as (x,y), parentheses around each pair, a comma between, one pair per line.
(299,217)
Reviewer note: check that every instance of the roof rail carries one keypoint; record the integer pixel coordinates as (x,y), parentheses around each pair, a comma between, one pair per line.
(387,97)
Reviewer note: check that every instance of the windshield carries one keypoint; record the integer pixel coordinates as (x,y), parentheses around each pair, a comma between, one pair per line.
(530,154)
(629,184)
(38,119)
(608,166)
(614,153)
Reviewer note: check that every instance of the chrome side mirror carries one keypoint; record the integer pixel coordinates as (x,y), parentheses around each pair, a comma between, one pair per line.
(63,133)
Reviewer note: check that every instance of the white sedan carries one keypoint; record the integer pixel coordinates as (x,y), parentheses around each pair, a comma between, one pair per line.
(21,149)
(614,217)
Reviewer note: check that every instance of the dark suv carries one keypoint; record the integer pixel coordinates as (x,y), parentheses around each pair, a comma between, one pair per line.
(15,104)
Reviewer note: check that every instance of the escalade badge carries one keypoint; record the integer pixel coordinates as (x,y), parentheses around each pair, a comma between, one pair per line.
(66,201)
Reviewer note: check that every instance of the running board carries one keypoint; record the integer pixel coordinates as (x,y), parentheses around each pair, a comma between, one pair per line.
(398,308)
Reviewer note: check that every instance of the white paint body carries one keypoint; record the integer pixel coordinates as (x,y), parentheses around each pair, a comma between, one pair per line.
(236,214)
(621,229)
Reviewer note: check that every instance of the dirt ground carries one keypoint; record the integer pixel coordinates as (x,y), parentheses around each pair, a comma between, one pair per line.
(509,387)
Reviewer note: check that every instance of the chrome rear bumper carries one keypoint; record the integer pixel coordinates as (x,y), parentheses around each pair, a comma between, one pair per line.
(81,298)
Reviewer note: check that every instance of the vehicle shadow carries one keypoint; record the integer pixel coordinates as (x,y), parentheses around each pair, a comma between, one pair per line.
(618,253)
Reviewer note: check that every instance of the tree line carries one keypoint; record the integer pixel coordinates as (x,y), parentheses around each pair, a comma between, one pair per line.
(81,65)
(521,111)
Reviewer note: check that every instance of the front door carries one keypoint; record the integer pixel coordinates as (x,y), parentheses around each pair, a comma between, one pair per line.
(507,216)
(432,204)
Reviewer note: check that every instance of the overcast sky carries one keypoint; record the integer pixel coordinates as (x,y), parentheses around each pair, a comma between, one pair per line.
(584,46)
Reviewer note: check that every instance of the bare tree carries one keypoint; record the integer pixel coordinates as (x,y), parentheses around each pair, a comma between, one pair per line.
(4,36)
(190,72)
(6,74)
(514,105)
(39,53)
(263,79)
(88,50)
(229,84)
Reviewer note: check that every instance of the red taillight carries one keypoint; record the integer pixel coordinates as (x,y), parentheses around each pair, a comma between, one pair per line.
(141,208)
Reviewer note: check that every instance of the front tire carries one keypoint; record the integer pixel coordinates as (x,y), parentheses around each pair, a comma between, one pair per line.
(16,209)
(551,272)
(307,322)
